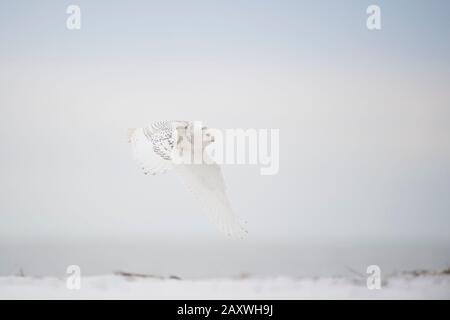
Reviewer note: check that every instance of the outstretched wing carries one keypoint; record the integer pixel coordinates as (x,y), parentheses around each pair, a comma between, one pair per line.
(152,147)
(163,137)
(206,182)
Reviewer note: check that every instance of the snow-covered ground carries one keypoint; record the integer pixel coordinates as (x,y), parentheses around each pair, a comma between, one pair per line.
(401,286)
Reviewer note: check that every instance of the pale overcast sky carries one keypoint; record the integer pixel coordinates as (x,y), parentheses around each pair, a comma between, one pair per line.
(363,118)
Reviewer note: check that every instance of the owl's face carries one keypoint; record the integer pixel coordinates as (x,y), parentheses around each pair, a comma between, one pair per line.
(185,136)
(207,136)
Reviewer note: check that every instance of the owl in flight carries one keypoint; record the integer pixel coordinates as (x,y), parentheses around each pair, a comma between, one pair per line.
(167,145)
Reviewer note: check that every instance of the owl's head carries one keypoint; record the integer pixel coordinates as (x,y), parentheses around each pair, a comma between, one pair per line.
(207,136)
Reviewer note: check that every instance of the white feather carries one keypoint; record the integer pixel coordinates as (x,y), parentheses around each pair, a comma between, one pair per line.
(154,148)
(206,182)
(144,154)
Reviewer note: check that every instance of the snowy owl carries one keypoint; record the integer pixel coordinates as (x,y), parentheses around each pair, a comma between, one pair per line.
(166,145)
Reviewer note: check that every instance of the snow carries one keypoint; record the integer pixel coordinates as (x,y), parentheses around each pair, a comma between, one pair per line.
(400,286)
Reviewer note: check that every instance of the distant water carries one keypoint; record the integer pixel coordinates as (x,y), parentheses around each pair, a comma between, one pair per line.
(203,259)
